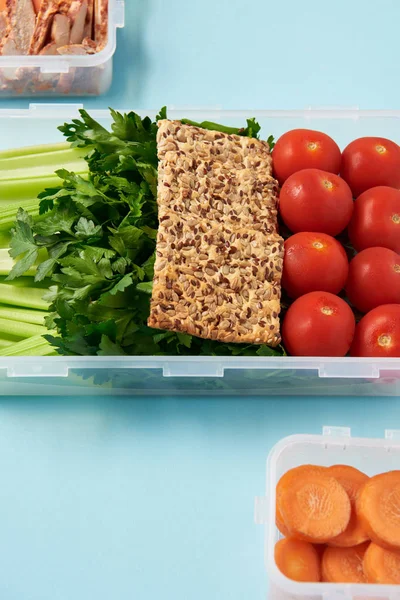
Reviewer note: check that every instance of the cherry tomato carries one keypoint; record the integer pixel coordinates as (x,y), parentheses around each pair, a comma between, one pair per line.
(314,262)
(315,200)
(303,149)
(318,324)
(376,219)
(374,279)
(378,333)
(371,161)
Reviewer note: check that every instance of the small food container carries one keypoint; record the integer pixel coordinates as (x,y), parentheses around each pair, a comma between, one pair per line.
(334,446)
(63,75)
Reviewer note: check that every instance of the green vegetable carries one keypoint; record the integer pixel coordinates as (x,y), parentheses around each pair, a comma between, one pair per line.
(100,236)
(24,315)
(33,346)
(30,297)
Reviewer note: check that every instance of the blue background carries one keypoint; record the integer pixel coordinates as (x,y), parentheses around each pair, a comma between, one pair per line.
(153,498)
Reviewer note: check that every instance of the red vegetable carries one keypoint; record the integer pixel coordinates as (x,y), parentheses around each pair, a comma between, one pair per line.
(376,219)
(314,262)
(374,279)
(378,333)
(315,200)
(371,161)
(303,149)
(318,324)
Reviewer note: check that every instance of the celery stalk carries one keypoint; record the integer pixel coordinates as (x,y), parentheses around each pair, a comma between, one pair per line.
(40,171)
(17,190)
(21,330)
(29,150)
(29,298)
(23,315)
(50,155)
(34,346)
(6,343)
(7,263)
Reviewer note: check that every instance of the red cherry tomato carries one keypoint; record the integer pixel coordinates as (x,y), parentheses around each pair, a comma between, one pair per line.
(374,279)
(315,200)
(303,149)
(376,219)
(314,262)
(318,324)
(378,333)
(371,161)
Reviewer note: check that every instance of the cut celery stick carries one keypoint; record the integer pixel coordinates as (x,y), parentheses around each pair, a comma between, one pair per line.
(17,190)
(33,346)
(26,282)
(29,150)
(21,330)
(7,263)
(26,297)
(39,171)
(6,343)
(53,158)
(23,315)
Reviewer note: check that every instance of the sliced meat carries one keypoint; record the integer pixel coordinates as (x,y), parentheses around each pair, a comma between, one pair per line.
(9,48)
(49,50)
(48,9)
(88,31)
(3,25)
(77,13)
(60,30)
(21,22)
(89,45)
(101,23)
(72,49)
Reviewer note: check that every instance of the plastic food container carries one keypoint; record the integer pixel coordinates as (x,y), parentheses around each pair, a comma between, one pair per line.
(334,446)
(201,375)
(88,75)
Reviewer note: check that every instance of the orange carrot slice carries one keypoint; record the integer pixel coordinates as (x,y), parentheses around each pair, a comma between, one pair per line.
(280,522)
(378,509)
(283,483)
(351,480)
(314,506)
(344,565)
(297,560)
(381,565)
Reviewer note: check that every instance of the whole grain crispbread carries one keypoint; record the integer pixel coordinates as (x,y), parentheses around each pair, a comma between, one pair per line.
(219,257)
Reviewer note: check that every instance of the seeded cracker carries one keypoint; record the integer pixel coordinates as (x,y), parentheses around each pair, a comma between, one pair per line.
(219,257)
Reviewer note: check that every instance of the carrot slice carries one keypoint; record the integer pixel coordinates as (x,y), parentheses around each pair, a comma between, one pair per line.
(351,480)
(285,482)
(344,565)
(314,506)
(297,560)
(381,565)
(280,522)
(378,509)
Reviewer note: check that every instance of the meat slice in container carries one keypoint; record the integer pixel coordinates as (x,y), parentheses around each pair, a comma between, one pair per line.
(60,30)
(21,23)
(101,23)
(44,20)
(88,32)
(77,13)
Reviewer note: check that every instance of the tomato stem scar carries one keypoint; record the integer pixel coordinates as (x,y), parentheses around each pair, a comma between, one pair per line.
(384,340)
(327,310)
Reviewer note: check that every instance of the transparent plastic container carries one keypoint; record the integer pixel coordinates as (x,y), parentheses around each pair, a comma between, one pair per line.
(334,446)
(201,375)
(88,75)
